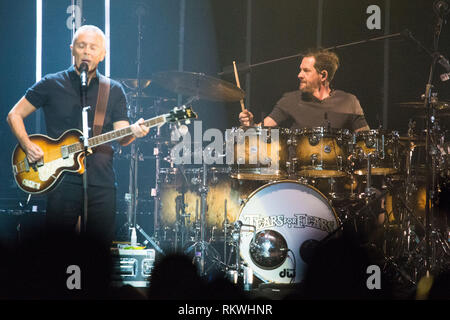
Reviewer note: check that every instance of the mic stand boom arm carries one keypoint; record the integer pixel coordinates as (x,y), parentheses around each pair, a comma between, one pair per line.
(247,67)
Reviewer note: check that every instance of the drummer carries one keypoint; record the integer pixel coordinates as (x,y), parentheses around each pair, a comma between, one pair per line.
(315,104)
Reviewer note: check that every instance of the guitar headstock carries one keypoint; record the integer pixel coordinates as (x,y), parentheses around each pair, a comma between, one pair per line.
(183,113)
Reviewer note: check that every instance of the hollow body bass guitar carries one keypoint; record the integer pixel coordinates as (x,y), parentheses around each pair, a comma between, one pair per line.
(66,153)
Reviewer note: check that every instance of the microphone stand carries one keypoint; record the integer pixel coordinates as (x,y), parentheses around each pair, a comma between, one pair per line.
(85,138)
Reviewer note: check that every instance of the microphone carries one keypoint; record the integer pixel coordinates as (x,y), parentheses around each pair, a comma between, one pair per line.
(83,74)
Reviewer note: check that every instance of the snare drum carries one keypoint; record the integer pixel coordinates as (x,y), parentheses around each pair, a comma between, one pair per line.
(257,153)
(383,149)
(321,152)
(281,221)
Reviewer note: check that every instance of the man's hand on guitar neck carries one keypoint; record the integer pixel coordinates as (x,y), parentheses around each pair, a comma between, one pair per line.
(139,128)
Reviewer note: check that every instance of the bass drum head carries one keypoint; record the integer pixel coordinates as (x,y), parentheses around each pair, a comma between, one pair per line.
(281,223)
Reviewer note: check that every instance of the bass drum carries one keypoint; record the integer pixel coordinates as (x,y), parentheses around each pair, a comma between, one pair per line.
(281,223)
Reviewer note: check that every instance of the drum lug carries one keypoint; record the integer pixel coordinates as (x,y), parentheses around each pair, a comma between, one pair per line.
(314,158)
(314,140)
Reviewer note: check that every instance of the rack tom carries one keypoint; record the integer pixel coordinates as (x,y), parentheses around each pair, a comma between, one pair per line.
(321,152)
(383,149)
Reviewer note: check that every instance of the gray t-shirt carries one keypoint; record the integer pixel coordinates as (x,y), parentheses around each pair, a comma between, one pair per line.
(340,110)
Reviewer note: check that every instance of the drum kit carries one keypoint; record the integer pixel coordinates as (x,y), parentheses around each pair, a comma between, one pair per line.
(250,217)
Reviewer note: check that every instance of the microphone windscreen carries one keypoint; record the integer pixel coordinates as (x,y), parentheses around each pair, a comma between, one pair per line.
(83,67)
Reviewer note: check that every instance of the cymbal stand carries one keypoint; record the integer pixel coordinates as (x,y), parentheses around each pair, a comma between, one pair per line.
(182,218)
(134,154)
(201,247)
(369,192)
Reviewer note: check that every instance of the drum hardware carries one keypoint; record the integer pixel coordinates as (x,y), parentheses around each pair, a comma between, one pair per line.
(181,226)
(238,269)
(201,247)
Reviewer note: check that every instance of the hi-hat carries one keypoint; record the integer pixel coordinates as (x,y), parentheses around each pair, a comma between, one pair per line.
(133,84)
(198,85)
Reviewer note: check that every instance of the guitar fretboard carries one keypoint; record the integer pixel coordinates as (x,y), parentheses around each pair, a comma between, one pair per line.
(114,135)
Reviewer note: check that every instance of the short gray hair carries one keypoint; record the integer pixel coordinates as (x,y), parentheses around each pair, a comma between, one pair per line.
(90,28)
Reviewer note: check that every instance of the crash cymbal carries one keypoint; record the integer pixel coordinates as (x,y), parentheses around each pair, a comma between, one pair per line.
(198,85)
(437,105)
(133,83)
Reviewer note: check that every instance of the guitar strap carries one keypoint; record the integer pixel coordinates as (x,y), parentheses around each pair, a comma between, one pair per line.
(102,102)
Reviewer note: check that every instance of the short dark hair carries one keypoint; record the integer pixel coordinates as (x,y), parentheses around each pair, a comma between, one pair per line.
(325,60)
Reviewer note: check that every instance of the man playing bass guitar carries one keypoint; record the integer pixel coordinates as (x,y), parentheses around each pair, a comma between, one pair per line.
(59,97)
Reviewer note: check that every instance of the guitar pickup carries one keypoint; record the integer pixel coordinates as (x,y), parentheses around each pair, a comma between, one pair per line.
(64,152)
(27,164)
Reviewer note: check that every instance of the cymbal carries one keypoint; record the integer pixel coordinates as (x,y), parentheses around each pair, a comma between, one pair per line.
(437,105)
(142,95)
(133,95)
(198,85)
(133,83)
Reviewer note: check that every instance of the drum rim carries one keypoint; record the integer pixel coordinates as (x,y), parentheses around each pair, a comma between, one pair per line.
(319,130)
(260,128)
(292,181)
(394,133)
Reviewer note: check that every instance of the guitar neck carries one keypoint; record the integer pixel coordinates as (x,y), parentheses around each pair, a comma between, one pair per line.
(121,133)
(116,134)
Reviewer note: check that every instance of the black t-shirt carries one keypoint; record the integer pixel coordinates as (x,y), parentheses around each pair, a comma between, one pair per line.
(59,97)
(340,110)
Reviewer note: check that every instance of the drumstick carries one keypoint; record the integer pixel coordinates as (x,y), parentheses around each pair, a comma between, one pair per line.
(238,84)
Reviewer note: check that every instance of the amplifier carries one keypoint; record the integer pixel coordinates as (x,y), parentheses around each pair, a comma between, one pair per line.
(132,265)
